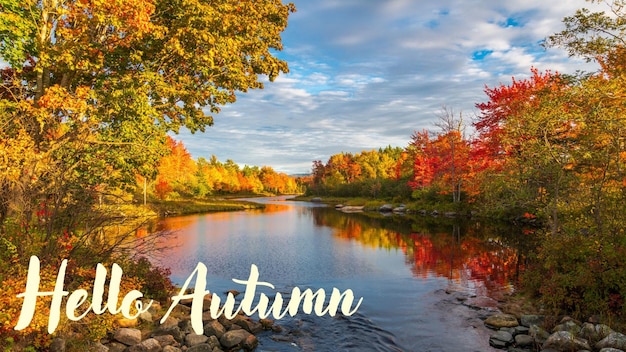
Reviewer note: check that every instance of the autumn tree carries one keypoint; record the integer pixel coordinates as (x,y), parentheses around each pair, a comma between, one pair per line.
(93,87)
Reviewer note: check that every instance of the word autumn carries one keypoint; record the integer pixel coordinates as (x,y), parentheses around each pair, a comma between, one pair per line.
(311,302)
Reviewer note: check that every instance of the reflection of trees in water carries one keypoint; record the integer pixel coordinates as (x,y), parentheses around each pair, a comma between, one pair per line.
(462,251)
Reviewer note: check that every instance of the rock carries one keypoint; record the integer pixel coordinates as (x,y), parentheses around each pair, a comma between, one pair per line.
(234,338)
(450,214)
(539,334)
(248,324)
(214,342)
(565,341)
(171,349)
(194,339)
(166,340)
(613,340)
(352,208)
(569,325)
(524,341)
(500,339)
(203,347)
(149,345)
(266,323)
(609,349)
(530,319)
(169,322)
(57,345)
(174,331)
(520,330)
(250,343)
(115,346)
(385,208)
(128,336)
(594,333)
(96,347)
(214,328)
(316,200)
(400,209)
(500,320)
(146,316)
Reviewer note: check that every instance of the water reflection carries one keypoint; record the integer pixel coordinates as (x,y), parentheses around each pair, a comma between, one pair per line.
(397,264)
(470,255)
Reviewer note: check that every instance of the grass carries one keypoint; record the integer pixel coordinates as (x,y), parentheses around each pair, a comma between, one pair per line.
(199,206)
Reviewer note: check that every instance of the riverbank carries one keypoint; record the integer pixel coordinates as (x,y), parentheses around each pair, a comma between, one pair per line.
(165,208)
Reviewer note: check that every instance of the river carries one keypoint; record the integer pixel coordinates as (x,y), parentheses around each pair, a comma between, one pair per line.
(414,276)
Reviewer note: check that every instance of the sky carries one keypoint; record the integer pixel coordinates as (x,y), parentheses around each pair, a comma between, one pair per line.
(366,74)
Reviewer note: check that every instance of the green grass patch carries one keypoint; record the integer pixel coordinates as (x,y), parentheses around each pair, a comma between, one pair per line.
(199,206)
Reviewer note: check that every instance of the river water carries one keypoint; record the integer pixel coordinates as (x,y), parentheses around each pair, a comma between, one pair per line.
(413,276)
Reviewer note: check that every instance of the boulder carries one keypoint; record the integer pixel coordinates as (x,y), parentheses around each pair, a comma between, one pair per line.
(214,328)
(565,341)
(539,334)
(524,341)
(530,319)
(500,320)
(194,339)
(613,340)
(203,347)
(316,200)
(235,338)
(385,208)
(169,348)
(501,339)
(128,336)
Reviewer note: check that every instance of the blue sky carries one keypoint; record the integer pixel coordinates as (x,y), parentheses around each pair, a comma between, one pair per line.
(367,73)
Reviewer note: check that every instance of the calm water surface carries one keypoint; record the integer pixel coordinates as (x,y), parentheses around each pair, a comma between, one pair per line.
(400,268)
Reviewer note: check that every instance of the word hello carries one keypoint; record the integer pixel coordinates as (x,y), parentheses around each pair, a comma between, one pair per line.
(310,302)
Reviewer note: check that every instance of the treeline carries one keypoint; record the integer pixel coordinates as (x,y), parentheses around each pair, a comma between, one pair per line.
(178,175)
(375,173)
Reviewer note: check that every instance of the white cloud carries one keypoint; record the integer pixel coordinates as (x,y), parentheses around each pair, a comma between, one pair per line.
(365,74)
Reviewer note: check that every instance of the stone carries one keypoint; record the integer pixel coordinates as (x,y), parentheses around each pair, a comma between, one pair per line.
(565,341)
(385,208)
(115,346)
(149,345)
(214,328)
(500,339)
(146,316)
(524,341)
(568,325)
(500,320)
(594,333)
(170,322)
(316,199)
(214,342)
(520,330)
(234,338)
(166,340)
(128,336)
(185,326)
(613,340)
(609,349)
(97,347)
(248,324)
(203,347)
(194,339)
(57,345)
(174,331)
(539,334)
(266,324)
(250,343)
(530,319)
(169,348)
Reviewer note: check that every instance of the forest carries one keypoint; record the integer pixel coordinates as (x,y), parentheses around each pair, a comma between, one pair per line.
(92,92)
